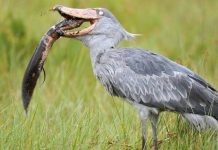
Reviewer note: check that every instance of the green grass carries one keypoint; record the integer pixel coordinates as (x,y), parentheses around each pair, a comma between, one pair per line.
(71,110)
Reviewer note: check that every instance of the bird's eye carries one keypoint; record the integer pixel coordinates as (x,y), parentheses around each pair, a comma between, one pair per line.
(100,12)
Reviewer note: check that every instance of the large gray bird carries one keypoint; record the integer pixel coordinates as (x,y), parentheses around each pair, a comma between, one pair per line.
(150,82)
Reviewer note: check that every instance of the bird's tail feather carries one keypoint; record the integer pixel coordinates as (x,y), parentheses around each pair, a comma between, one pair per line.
(201,122)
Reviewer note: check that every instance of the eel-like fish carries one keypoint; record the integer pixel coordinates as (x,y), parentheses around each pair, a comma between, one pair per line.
(36,63)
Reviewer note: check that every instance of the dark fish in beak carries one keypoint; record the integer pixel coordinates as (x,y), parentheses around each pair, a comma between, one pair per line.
(36,63)
(73,18)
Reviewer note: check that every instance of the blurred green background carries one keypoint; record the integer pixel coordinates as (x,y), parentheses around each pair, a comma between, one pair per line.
(71,110)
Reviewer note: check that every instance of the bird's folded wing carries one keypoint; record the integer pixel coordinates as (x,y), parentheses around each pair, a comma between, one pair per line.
(155,81)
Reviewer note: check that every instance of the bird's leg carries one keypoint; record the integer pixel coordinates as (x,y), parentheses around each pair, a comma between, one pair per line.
(143,117)
(154,119)
(143,122)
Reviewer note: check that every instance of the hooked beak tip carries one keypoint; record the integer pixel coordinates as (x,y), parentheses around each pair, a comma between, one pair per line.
(56,8)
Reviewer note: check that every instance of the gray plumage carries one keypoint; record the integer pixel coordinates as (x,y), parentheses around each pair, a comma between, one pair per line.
(147,80)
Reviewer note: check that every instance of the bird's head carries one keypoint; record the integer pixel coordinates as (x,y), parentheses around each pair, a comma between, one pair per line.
(104,29)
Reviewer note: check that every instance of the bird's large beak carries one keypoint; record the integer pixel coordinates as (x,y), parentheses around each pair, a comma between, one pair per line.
(66,12)
(87,15)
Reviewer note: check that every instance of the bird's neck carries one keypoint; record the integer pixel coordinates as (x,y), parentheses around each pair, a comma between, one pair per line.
(100,47)
(95,53)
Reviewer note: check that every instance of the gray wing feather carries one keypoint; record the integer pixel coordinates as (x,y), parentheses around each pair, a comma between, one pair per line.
(153,80)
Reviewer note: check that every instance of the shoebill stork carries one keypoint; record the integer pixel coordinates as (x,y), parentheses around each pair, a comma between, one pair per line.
(150,82)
